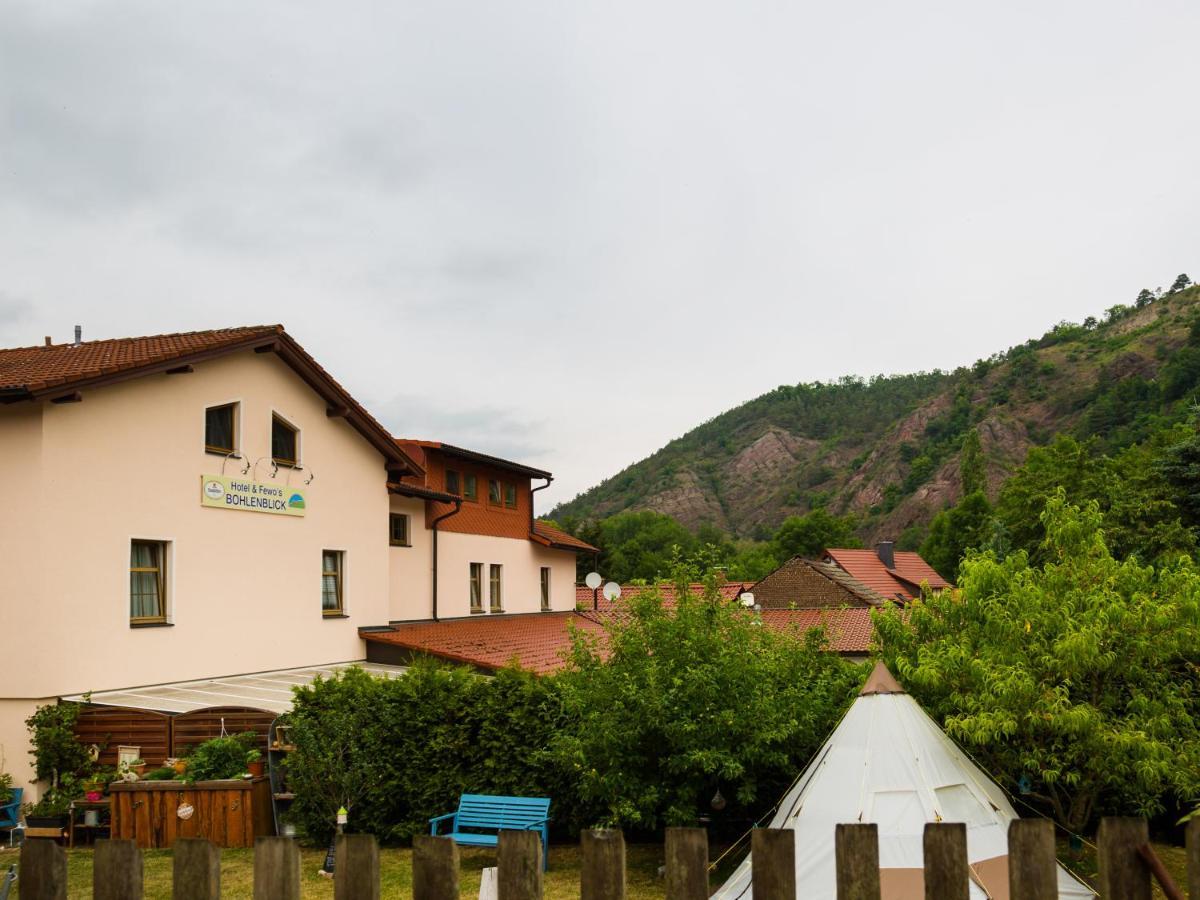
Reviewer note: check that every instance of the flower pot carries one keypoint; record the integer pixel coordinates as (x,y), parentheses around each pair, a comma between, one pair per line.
(46,821)
(256,768)
(93,796)
(180,766)
(139,771)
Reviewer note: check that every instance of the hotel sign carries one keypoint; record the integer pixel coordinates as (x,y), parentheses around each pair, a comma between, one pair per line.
(237,493)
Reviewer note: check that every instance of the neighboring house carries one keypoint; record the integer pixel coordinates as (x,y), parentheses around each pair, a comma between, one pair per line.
(207,505)
(812,584)
(898,575)
(492,556)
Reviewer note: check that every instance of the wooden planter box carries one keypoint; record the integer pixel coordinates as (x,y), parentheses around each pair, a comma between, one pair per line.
(229,813)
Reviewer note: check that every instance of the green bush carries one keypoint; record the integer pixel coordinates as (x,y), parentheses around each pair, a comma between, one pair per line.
(397,752)
(220,758)
(687,700)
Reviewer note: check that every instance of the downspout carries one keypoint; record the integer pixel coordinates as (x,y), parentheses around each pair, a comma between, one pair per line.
(532,491)
(457,506)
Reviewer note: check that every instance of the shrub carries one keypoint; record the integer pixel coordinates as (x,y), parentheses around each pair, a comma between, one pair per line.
(687,700)
(56,751)
(219,758)
(396,752)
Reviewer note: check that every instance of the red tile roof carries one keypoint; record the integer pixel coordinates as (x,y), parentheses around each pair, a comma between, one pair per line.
(584,596)
(812,584)
(34,373)
(551,536)
(537,641)
(540,642)
(903,581)
(848,630)
(35,369)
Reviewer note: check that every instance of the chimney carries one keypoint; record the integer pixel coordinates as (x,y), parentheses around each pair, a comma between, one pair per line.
(78,335)
(49,343)
(885,550)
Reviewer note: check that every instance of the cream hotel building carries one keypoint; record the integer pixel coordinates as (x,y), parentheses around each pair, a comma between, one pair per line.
(203,507)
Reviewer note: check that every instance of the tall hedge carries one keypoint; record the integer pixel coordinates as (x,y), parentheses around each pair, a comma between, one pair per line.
(396,752)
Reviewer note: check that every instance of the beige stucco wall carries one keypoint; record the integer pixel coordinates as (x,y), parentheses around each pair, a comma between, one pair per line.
(244,587)
(14,743)
(411,586)
(522,562)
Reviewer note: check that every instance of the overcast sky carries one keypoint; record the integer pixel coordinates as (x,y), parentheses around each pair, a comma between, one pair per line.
(566,232)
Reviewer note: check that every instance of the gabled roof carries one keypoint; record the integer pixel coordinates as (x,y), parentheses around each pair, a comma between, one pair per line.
(811,584)
(902,581)
(39,373)
(416,447)
(552,536)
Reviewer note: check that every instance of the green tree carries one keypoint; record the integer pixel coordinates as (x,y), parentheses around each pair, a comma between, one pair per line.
(1181,284)
(1179,464)
(1078,674)
(954,531)
(1144,298)
(808,535)
(677,702)
(972,468)
(642,545)
(1132,491)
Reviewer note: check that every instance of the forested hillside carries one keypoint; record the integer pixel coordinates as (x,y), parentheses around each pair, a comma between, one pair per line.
(887,450)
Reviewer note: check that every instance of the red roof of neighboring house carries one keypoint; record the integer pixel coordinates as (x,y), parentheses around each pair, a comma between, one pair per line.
(848,630)
(35,373)
(537,641)
(903,581)
(584,596)
(540,642)
(551,536)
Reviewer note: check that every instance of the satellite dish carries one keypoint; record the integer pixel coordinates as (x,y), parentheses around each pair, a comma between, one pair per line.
(747,600)
(593,580)
(612,591)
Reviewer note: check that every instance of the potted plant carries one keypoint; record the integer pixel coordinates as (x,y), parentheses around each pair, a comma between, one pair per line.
(220,758)
(255,764)
(138,767)
(52,809)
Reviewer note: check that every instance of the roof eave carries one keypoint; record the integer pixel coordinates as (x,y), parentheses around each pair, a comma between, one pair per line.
(475,456)
(275,339)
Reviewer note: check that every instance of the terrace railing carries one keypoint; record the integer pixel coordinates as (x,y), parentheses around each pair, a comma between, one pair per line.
(1127,865)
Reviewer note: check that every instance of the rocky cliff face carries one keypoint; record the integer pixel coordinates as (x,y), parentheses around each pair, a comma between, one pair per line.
(887,450)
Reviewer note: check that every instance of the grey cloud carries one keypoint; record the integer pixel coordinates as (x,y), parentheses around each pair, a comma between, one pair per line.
(494,430)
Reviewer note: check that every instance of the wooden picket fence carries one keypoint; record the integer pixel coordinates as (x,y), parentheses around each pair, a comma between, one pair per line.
(1127,865)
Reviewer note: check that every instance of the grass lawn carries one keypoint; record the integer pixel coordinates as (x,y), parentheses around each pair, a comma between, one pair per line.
(1173,858)
(237,873)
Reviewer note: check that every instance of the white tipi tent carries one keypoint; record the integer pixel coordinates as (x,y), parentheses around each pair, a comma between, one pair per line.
(889,763)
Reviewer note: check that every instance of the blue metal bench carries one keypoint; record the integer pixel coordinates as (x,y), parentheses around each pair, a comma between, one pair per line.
(486,813)
(10,814)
